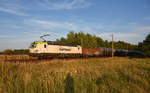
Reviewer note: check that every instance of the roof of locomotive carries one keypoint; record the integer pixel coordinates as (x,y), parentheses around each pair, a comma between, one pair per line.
(58,43)
(54,43)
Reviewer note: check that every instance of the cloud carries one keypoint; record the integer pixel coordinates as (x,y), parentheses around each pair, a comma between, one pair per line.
(129,37)
(143,28)
(59,27)
(64,4)
(18,7)
(147,18)
(12,7)
(51,25)
(11,11)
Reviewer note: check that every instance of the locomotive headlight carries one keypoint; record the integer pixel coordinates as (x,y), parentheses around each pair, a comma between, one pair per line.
(33,50)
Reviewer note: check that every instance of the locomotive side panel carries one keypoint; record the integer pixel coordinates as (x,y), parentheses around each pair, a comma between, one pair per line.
(45,48)
(62,49)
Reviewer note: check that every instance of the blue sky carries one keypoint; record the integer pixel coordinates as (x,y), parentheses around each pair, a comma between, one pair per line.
(24,21)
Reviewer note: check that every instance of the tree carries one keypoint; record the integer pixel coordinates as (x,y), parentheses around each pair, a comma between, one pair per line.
(100,42)
(145,46)
(8,52)
(71,37)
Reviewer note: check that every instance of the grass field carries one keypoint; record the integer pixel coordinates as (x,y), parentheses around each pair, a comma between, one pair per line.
(14,57)
(95,75)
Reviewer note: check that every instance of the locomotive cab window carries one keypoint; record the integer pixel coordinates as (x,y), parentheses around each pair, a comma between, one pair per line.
(44,46)
(33,45)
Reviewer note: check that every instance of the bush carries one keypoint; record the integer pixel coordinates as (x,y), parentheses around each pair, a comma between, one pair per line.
(9,52)
(21,51)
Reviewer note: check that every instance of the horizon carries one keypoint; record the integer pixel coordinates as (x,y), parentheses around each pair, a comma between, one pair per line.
(23,22)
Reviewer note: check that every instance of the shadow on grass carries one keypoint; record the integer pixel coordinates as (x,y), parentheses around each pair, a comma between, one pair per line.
(69,84)
(99,83)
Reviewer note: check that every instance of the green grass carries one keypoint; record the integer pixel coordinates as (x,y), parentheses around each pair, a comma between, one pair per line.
(96,75)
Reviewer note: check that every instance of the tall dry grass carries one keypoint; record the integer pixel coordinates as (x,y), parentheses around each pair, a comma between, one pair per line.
(96,75)
(16,58)
(13,57)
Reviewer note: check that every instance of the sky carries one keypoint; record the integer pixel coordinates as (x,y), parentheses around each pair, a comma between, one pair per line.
(24,21)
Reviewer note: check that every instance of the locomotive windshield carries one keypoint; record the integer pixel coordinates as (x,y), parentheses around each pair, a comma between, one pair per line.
(33,45)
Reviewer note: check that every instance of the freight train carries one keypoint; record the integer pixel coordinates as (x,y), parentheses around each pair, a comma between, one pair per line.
(51,49)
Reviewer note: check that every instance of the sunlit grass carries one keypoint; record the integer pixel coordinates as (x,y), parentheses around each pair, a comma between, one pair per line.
(95,75)
(13,57)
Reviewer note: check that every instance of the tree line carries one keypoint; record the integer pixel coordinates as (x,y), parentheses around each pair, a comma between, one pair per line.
(15,52)
(93,41)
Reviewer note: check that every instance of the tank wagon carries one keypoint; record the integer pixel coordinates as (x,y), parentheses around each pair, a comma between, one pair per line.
(51,49)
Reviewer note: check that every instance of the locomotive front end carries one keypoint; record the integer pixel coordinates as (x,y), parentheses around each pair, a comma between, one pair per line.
(33,47)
